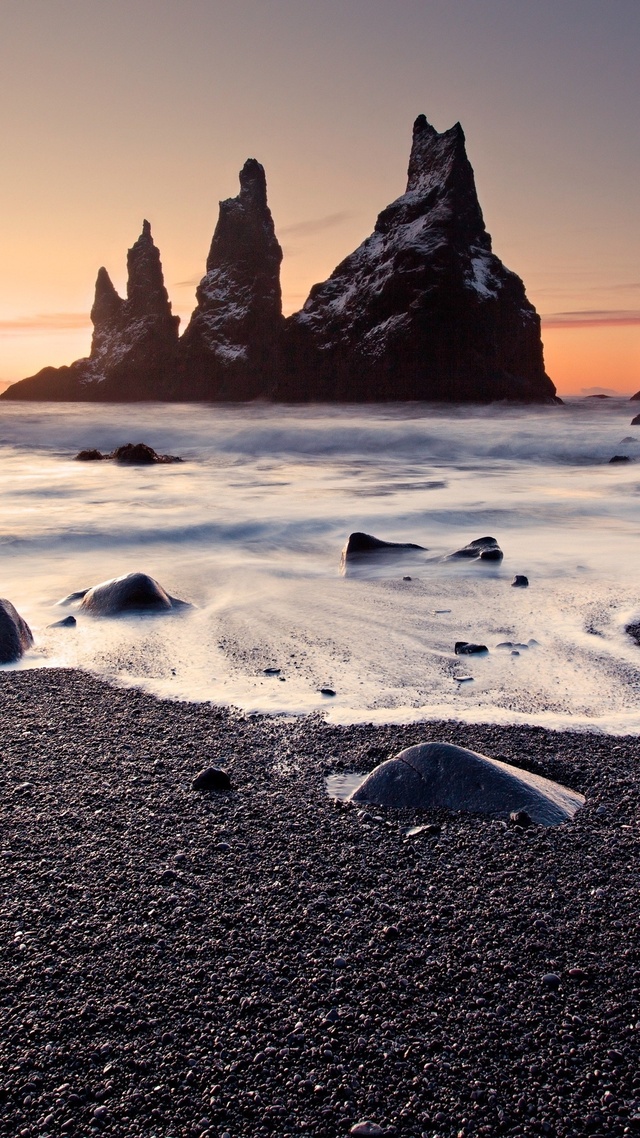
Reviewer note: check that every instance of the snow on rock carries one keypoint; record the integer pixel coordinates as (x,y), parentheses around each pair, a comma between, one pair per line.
(231,347)
(422,309)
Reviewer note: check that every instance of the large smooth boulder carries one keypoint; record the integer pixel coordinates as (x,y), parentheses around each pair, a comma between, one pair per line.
(15,634)
(441,775)
(361,546)
(131,593)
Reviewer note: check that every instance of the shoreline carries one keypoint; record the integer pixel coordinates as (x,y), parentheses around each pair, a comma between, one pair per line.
(265,961)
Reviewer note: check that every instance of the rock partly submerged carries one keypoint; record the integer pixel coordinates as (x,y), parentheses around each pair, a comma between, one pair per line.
(441,775)
(15,635)
(363,547)
(131,454)
(481,549)
(131,593)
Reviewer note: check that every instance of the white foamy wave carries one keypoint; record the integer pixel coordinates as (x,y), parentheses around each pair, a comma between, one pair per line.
(249,529)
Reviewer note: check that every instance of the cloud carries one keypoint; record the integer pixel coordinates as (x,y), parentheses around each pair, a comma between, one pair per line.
(593,318)
(315,225)
(45,322)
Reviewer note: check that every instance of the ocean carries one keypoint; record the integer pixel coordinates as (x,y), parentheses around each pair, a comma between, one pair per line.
(250,527)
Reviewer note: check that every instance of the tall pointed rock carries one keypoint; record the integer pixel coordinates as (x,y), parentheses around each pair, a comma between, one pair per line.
(422,309)
(231,347)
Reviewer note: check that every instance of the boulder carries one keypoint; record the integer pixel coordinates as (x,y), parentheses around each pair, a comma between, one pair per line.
(620,458)
(482,549)
(131,593)
(212,778)
(66,622)
(441,775)
(90,456)
(635,422)
(15,634)
(361,546)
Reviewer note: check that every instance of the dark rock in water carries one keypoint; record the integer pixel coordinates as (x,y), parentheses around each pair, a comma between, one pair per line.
(598,396)
(326,691)
(422,309)
(440,775)
(132,454)
(364,545)
(520,581)
(636,421)
(90,456)
(231,348)
(131,593)
(628,439)
(463,648)
(66,622)
(15,634)
(212,778)
(620,458)
(482,549)
(139,454)
(134,345)
(635,398)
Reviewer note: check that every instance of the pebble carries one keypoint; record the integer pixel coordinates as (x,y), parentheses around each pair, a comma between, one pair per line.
(327,691)
(520,581)
(551,980)
(212,778)
(366,1129)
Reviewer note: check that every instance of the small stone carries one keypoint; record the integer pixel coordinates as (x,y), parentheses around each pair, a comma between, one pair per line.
(339,962)
(224,847)
(391,932)
(505,644)
(463,648)
(66,622)
(521,818)
(366,1129)
(551,980)
(332,1016)
(406,578)
(327,691)
(212,778)
(520,581)
(272,671)
(619,458)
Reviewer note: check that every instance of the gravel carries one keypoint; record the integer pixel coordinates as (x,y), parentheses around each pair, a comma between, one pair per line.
(264,961)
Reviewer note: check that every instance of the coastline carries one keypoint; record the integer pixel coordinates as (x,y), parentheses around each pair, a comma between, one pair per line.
(265,961)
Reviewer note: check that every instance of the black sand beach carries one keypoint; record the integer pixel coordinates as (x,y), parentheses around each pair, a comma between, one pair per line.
(265,961)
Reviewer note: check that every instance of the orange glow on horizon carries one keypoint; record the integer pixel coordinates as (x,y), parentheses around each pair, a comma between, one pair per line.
(605,356)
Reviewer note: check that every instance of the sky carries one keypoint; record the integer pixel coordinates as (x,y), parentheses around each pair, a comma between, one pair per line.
(117,110)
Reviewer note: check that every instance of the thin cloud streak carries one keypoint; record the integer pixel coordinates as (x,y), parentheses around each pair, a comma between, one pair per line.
(50,322)
(315,225)
(593,318)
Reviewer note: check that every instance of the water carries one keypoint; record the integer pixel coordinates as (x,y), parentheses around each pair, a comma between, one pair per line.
(250,528)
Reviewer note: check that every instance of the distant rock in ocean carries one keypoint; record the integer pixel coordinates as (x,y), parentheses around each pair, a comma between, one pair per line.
(134,345)
(422,310)
(231,347)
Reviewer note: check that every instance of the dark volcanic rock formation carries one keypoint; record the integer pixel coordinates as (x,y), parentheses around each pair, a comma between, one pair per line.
(231,347)
(15,634)
(135,341)
(131,454)
(363,546)
(423,309)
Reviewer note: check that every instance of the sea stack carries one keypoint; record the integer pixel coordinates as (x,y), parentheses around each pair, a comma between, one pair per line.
(231,347)
(422,309)
(134,345)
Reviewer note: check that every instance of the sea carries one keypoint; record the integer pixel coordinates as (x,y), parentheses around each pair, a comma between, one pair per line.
(249,529)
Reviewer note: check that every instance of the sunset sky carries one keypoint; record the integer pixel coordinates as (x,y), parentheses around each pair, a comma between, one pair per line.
(115,110)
